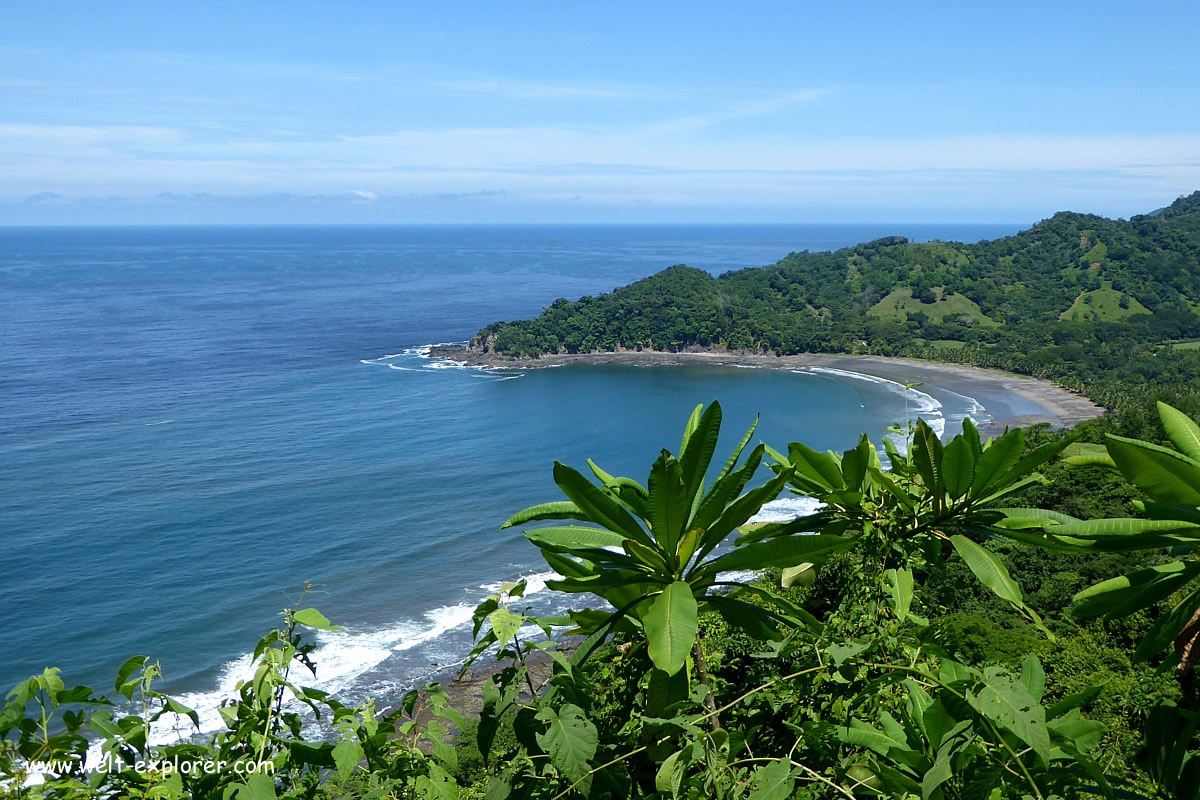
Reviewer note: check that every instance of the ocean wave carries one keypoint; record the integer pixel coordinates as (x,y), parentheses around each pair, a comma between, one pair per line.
(418,359)
(922,405)
(786,508)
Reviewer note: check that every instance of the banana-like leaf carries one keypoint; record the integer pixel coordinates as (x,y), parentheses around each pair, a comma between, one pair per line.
(725,489)
(652,557)
(544,511)
(1165,475)
(671,626)
(1039,455)
(1125,526)
(757,622)
(1122,596)
(692,424)
(958,467)
(1181,429)
(731,462)
(1168,511)
(927,457)
(996,460)
(1011,488)
(571,537)
(970,435)
(599,507)
(669,502)
(1164,630)
(900,582)
(855,463)
(783,552)
(739,511)
(994,575)
(697,452)
(771,530)
(1091,459)
(820,468)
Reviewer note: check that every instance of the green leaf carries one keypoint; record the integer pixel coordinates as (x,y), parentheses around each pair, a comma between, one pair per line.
(773,781)
(860,734)
(669,503)
(958,467)
(900,582)
(1165,475)
(820,468)
(988,569)
(346,754)
(855,463)
(557,510)
(573,536)
(1033,677)
(1078,734)
(1012,707)
(697,451)
(671,627)
(782,552)
(505,624)
(570,740)
(726,489)
(258,787)
(996,460)
(927,457)
(1076,700)
(1126,594)
(126,670)
(1183,432)
(1124,527)
(1164,630)
(311,618)
(599,507)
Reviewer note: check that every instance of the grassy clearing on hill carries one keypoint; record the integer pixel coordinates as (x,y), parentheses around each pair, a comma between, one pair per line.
(897,305)
(1103,305)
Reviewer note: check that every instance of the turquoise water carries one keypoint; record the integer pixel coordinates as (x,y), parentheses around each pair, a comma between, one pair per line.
(196,421)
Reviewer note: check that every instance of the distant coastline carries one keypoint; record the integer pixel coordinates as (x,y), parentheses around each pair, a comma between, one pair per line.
(1041,400)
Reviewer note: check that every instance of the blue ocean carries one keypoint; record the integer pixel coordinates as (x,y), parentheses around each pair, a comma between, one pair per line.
(196,421)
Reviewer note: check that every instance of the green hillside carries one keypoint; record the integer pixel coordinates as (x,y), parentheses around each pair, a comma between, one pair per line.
(953,308)
(1105,304)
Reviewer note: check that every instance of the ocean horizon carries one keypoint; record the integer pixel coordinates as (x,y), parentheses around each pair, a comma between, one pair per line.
(198,420)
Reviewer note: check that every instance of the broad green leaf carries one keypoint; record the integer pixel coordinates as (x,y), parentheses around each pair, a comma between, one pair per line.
(570,739)
(1012,707)
(958,467)
(855,463)
(599,507)
(817,467)
(861,734)
(1183,432)
(437,785)
(1126,594)
(927,456)
(573,536)
(671,627)
(800,575)
(988,569)
(1033,677)
(940,772)
(690,428)
(311,618)
(652,557)
(773,781)
(557,510)
(783,552)
(505,625)
(1165,475)
(741,510)
(669,503)
(1164,629)
(1040,455)
(127,669)
(725,490)
(258,787)
(996,460)
(900,582)
(759,623)
(666,780)
(731,462)
(1123,527)
(697,451)
(1076,700)
(346,754)
(1078,734)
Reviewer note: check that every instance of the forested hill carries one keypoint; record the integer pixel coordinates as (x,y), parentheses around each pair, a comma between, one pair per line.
(1073,286)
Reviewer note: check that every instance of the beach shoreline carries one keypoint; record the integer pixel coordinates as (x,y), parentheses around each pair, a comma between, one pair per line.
(1011,400)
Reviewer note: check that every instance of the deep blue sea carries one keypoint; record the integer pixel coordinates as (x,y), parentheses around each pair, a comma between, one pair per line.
(195,421)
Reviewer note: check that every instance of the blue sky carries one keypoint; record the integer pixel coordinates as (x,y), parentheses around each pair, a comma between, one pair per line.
(614,112)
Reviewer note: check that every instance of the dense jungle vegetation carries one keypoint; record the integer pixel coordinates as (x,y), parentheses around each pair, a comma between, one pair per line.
(1098,305)
(961,619)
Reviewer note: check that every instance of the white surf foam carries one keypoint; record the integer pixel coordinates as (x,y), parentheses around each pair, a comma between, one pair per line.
(418,359)
(786,508)
(922,405)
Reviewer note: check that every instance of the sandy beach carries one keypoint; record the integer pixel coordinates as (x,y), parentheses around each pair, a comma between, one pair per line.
(1010,400)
